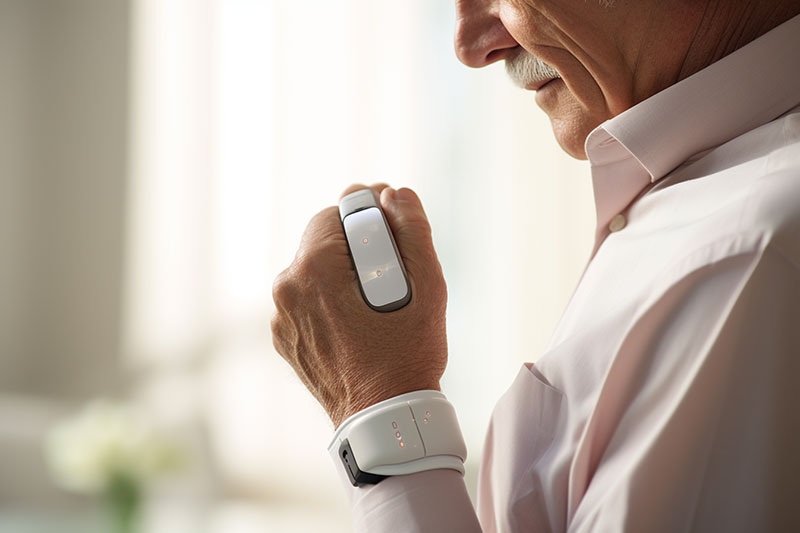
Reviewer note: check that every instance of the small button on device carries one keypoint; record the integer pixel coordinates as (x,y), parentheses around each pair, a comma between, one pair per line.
(617,223)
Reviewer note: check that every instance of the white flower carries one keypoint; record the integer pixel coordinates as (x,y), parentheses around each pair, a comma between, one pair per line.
(105,441)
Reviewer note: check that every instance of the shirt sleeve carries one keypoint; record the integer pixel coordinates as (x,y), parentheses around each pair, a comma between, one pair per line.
(704,434)
(433,500)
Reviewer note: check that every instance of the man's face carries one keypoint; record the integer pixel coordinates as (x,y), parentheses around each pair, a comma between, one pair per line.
(587,43)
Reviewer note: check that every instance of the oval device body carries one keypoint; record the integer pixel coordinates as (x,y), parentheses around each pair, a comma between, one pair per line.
(381,274)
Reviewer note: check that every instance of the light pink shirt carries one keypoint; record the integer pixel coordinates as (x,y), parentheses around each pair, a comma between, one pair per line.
(669,397)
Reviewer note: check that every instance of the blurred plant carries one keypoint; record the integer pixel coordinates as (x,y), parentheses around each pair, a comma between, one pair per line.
(109,449)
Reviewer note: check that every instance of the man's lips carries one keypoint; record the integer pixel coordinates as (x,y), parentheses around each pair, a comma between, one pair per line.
(535,86)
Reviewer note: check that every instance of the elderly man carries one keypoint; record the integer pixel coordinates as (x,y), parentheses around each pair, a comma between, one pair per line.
(667,399)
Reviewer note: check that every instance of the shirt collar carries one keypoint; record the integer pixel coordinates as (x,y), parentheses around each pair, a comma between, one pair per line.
(748,88)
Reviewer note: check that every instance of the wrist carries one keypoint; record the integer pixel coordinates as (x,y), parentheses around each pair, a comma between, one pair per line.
(371,393)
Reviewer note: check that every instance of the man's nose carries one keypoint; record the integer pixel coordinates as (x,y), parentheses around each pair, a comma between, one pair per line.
(481,37)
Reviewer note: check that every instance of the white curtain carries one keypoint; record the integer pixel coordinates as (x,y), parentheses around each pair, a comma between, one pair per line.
(252,115)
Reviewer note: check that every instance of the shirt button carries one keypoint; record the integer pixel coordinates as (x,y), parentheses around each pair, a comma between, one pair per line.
(617,223)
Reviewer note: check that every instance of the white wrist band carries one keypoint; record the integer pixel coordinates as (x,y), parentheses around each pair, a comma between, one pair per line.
(402,435)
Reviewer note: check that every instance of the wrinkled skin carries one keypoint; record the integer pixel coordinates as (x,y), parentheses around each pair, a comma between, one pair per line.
(348,355)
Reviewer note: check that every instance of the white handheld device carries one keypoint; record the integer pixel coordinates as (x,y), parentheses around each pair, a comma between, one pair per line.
(382,276)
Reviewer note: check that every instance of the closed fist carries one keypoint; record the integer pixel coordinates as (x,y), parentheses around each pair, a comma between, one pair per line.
(348,355)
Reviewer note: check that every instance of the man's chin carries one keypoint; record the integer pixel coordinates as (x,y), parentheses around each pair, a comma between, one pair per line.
(569,137)
(570,121)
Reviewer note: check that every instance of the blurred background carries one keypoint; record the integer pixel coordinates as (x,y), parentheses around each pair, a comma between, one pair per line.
(159,160)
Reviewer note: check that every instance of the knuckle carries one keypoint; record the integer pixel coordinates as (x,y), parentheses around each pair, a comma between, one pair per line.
(324,215)
(274,325)
(276,328)
(281,290)
(323,225)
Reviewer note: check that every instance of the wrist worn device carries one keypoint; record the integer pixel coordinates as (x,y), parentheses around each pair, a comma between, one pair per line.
(406,434)
(382,276)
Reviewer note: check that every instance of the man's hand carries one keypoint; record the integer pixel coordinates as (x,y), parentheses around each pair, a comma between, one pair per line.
(349,356)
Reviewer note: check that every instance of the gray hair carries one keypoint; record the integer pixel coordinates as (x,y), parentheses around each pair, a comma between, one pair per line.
(525,69)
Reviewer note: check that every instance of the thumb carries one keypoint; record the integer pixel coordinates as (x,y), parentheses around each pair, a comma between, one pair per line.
(410,227)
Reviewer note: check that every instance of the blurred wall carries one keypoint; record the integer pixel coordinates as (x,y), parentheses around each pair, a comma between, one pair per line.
(63,126)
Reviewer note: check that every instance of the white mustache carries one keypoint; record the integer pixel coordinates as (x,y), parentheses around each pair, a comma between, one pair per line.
(525,69)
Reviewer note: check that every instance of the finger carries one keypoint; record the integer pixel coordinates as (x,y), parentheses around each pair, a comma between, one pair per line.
(376,187)
(323,253)
(409,224)
(323,226)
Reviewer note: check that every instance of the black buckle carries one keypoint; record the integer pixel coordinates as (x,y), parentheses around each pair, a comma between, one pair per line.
(357,477)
